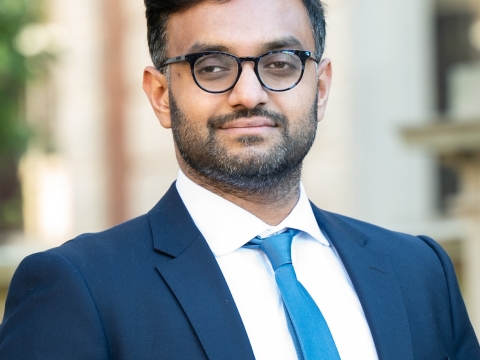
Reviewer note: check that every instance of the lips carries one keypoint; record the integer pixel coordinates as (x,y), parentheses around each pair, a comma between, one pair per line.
(248,123)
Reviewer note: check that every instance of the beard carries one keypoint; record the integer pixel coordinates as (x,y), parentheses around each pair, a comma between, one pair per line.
(253,171)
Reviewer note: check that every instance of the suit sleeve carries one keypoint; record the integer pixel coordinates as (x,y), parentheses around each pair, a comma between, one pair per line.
(466,345)
(50,313)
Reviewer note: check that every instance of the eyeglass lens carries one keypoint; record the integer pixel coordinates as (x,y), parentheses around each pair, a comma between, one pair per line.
(277,71)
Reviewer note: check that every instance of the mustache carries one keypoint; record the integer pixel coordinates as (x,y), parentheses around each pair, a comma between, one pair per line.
(218,121)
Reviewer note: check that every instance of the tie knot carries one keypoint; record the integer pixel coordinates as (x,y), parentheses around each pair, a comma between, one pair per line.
(278,248)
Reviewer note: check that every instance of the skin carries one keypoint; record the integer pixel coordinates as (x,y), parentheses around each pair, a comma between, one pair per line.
(243,28)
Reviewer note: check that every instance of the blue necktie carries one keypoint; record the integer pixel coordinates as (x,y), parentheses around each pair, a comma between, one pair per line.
(309,330)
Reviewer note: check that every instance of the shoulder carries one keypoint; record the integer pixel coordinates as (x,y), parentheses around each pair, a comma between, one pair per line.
(380,238)
(46,295)
(86,275)
(412,257)
(89,258)
(116,253)
(91,253)
(128,237)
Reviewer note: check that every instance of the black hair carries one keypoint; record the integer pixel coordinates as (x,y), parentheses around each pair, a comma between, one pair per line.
(158,13)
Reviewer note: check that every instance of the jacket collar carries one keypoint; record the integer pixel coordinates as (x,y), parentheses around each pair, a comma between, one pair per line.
(172,227)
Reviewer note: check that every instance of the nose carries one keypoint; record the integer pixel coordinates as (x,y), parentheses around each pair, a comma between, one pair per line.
(247,92)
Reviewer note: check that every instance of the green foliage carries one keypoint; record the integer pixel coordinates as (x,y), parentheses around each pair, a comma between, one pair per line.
(15,70)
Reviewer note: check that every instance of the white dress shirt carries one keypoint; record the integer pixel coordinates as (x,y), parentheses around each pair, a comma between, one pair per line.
(250,278)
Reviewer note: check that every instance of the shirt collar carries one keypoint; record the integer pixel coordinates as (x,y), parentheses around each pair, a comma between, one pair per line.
(227,227)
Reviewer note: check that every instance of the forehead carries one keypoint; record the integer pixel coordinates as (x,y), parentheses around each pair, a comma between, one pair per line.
(242,27)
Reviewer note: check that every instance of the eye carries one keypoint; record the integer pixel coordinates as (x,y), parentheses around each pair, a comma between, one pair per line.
(214,66)
(278,65)
(211,69)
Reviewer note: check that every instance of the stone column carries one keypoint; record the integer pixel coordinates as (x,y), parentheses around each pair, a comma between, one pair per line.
(458,143)
(467,207)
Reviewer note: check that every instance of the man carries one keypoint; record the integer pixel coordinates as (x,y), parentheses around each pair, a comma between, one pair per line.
(242,85)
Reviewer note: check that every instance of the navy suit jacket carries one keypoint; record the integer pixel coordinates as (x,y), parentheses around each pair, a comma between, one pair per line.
(151,288)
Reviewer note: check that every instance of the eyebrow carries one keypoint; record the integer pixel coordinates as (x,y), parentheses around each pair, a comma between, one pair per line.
(282,43)
(277,44)
(199,47)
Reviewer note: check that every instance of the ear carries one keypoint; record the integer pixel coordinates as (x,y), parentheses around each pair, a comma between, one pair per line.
(155,86)
(324,83)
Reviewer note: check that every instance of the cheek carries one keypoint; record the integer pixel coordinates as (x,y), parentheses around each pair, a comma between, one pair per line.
(186,92)
(197,105)
(297,102)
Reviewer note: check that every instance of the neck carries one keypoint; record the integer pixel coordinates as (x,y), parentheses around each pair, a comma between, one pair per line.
(271,205)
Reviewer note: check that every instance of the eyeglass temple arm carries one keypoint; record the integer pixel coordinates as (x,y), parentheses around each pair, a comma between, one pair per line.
(172,61)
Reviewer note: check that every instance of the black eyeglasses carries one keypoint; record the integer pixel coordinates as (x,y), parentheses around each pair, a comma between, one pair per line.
(217,72)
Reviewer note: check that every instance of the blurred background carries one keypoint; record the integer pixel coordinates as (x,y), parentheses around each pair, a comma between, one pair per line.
(81,150)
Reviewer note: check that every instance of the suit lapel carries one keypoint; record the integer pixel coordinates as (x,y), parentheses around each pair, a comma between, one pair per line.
(375,282)
(193,275)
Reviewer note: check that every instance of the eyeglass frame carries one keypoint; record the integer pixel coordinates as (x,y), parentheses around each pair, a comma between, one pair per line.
(192,58)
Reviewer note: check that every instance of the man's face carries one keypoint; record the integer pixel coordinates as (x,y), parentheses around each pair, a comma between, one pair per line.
(248,132)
